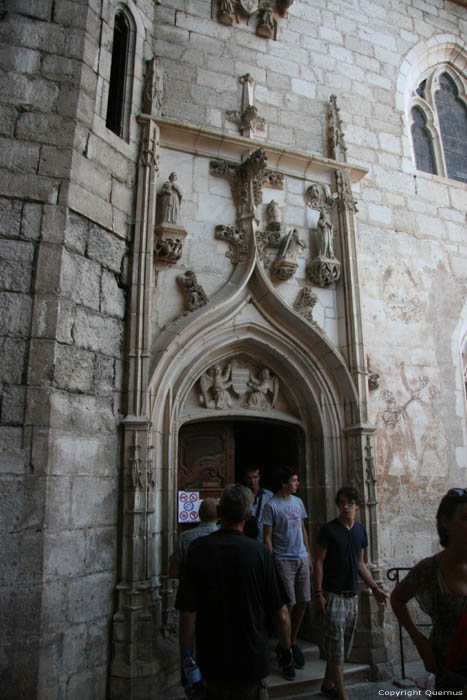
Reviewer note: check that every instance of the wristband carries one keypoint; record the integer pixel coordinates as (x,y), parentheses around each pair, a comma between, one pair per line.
(317,593)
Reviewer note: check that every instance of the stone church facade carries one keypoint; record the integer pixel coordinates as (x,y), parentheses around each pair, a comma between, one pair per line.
(232,232)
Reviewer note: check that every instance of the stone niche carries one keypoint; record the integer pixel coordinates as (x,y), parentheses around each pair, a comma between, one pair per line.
(238,385)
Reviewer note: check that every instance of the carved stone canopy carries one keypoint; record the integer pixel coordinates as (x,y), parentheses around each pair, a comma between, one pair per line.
(247,180)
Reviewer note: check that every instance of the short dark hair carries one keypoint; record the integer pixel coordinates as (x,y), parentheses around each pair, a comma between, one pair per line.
(447,508)
(282,475)
(349,492)
(235,504)
(247,470)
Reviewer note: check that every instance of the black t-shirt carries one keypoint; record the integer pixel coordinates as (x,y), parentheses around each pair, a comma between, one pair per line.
(230,581)
(343,547)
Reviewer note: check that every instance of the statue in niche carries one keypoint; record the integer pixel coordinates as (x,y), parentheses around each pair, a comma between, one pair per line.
(171,196)
(267,25)
(326,234)
(225,12)
(216,381)
(195,296)
(263,390)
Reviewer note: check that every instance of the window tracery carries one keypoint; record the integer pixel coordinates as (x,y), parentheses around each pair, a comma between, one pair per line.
(439,123)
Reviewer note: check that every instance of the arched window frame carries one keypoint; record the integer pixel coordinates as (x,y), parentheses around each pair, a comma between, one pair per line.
(127,98)
(428,106)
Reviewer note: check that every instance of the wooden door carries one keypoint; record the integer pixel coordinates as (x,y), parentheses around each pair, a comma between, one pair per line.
(206,458)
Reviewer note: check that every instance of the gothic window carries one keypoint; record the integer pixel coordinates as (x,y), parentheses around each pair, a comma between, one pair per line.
(121,75)
(439,124)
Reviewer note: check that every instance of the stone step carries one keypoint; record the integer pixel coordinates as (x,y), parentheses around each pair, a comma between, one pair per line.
(307,681)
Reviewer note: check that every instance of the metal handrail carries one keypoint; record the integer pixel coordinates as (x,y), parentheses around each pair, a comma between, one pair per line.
(393,575)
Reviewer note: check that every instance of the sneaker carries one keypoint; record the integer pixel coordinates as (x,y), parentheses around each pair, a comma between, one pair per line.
(329,692)
(299,659)
(286,662)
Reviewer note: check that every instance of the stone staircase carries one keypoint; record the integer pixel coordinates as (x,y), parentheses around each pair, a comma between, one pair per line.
(307,681)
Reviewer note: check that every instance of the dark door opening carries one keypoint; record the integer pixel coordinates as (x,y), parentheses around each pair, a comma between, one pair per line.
(214,454)
(267,445)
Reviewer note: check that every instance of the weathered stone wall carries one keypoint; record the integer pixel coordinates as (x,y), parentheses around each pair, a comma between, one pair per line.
(411,226)
(63,305)
(67,189)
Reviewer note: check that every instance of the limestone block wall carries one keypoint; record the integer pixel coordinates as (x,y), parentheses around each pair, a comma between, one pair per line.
(411,226)
(62,296)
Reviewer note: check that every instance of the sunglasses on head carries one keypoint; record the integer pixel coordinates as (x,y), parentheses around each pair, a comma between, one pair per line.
(457,492)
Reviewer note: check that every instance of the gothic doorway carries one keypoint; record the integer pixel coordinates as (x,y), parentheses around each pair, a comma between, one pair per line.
(213,454)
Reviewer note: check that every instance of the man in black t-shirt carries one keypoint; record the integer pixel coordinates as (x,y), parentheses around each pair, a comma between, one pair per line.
(229,586)
(340,551)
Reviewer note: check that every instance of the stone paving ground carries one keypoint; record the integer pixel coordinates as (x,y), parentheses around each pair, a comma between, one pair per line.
(389,689)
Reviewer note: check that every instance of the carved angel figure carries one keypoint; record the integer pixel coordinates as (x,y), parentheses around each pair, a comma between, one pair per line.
(216,382)
(260,390)
(171,196)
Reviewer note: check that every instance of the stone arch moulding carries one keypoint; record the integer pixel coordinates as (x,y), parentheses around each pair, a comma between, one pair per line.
(444,48)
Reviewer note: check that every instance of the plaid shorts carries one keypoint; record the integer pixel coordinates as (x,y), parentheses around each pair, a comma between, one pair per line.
(340,622)
(295,576)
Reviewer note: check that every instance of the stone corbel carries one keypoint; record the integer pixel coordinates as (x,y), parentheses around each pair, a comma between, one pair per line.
(325,268)
(168,243)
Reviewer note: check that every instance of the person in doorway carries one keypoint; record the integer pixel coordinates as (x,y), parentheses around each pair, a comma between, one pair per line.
(254,526)
(439,584)
(286,537)
(208,524)
(339,558)
(228,587)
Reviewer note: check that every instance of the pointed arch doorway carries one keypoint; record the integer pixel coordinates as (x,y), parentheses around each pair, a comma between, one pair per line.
(213,454)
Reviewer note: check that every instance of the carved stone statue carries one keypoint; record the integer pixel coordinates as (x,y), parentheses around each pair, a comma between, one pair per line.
(195,296)
(267,25)
(216,383)
(324,269)
(326,233)
(286,263)
(263,390)
(225,12)
(171,196)
(274,215)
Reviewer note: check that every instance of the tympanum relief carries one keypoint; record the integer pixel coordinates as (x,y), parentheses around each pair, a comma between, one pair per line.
(169,234)
(240,384)
(324,269)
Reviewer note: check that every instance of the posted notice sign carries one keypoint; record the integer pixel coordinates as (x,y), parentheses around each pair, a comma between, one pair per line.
(188,506)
